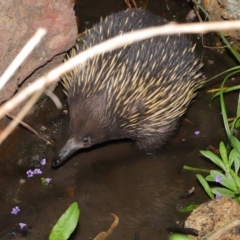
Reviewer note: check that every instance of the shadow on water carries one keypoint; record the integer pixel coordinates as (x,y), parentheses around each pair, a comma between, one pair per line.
(142,190)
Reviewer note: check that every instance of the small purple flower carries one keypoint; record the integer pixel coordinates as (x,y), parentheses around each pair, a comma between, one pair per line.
(218,178)
(29,173)
(15,210)
(22,225)
(43,161)
(37,171)
(48,180)
(197,133)
(218,196)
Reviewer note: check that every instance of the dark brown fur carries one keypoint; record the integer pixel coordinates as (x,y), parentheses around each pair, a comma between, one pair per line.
(138,92)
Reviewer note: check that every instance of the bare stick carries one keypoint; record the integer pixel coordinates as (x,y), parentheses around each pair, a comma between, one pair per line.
(220,231)
(104,235)
(110,45)
(20,116)
(25,125)
(54,98)
(26,50)
(127,2)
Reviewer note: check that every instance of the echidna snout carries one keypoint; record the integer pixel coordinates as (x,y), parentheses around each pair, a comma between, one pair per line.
(139,92)
(86,130)
(69,148)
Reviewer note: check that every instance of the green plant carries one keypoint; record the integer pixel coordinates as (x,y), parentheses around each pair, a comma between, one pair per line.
(66,223)
(227,181)
(179,237)
(229,160)
(226,177)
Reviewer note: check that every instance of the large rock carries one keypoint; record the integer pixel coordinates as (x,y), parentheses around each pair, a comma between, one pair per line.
(19,20)
(220,10)
(218,218)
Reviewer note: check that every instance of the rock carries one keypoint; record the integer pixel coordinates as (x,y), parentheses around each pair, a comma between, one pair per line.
(19,20)
(220,10)
(215,214)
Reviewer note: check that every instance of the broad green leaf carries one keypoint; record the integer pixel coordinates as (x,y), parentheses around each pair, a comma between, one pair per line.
(226,180)
(210,178)
(224,155)
(223,192)
(214,158)
(205,185)
(66,223)
(179,237)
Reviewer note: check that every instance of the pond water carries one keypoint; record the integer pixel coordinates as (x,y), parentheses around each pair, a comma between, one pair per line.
(144,191)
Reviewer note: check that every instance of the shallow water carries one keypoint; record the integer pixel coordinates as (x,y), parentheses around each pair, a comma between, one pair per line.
(144,191)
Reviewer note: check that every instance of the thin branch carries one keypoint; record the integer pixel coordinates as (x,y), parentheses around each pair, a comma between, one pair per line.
(104,235)
(20,116)
(25,125)
(54,98)
(220,231)
(109,45)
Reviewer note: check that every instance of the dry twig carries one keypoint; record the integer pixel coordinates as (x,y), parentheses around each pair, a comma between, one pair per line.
(104,235)
(228,227)
(25,125)
(128,38)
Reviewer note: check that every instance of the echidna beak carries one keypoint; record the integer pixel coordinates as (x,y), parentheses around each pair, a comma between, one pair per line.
(68,149)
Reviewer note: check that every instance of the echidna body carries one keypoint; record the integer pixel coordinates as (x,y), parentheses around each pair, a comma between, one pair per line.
(138,92)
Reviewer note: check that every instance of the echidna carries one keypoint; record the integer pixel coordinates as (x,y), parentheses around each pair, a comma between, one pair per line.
(138,92)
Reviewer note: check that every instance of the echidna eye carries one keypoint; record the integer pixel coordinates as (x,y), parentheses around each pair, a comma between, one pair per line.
(86,140)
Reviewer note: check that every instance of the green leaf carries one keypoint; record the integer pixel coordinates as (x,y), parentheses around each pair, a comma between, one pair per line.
(185,167)
(227,180)
(223,192)
(237,163)
(232,156)
(223,107)
(189,208)
(210,178)
(205,185)
(233,69)
(235,143)
(235,153)
(179,237)
(66,223)
(229,89)
(236,122)
(224,155)
(236,179)
(214,158)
